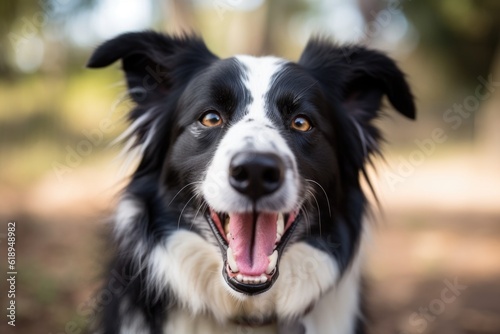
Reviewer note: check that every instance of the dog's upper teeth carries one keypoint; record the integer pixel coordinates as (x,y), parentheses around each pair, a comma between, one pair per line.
(281,224)
(226,225)
(280,227)
(278,238)
(273,259)
(231,261)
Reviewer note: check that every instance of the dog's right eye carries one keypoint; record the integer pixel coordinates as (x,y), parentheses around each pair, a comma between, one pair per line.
(301,123)
(211,118)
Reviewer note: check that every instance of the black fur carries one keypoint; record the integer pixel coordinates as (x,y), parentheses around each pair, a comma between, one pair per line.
(174,80)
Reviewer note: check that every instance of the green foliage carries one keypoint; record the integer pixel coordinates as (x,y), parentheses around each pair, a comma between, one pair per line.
(466,33)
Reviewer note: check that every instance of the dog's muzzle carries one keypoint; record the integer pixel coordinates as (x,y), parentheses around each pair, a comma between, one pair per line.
(252,241)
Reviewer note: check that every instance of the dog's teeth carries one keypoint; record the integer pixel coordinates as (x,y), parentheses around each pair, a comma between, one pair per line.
(229,236)
(251,279)
(278,238)
(281,224)
(231,261)
(226,225)
(273,259)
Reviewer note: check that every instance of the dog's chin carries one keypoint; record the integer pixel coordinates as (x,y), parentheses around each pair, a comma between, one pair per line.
(251,245)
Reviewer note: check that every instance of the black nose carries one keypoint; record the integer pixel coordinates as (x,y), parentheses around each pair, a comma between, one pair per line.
(256,174)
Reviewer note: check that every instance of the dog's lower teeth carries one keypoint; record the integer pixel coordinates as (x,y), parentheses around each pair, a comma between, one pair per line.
(231,261)
(273,260)
(251,279)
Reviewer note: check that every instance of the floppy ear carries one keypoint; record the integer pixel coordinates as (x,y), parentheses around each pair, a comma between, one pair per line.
(153,63)
(358,78)
(355,80)
(363,77)
(157,68)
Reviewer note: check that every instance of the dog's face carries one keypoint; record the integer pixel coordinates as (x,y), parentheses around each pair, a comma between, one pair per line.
(249,140)
(270,150)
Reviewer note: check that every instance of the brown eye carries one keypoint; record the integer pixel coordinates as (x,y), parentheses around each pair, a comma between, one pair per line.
(301,123)
(210,119)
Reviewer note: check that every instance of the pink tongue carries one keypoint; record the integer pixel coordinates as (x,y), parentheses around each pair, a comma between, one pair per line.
(252,242)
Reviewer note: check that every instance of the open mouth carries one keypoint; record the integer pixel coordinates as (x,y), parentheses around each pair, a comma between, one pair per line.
(251,245)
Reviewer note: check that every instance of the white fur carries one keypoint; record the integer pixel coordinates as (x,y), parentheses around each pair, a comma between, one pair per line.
(336,311)
(259,71)
(133,150)
(192,268)
(258,135)
(132,323)
(127,213)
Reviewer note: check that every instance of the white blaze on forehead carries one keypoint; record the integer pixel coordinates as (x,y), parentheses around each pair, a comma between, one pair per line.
(258,80)
(259,135)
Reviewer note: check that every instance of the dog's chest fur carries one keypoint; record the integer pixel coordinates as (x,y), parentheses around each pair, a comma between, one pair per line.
(188,265)
(310,297)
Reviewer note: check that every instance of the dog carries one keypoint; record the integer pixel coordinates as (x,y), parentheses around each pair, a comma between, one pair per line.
(246,212)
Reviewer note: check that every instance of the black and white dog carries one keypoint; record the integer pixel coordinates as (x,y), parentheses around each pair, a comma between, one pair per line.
(245,213)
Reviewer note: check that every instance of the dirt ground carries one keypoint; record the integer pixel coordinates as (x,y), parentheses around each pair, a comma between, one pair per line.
(414,255)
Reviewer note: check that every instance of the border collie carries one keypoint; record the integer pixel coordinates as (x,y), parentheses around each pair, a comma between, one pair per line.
(245,213)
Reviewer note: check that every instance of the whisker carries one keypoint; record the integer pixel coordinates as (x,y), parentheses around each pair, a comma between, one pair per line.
(196,215)
(308,220)
(187,185)
(319,212)
(199,209)
(180,215)
(324,192)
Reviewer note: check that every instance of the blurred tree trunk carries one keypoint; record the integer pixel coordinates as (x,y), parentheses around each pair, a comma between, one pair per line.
(275,39)
(248,32)
(368,8)
(272,23)
(488,119)
(179,16)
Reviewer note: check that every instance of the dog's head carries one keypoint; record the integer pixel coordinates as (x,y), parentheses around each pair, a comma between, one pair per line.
(270,150)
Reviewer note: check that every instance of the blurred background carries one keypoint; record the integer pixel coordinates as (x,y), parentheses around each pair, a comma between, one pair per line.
(439,185)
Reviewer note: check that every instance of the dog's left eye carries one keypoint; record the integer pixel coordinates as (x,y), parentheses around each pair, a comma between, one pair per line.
(211,118)
(301,123)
